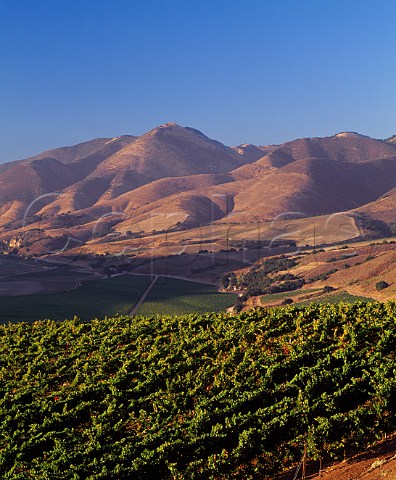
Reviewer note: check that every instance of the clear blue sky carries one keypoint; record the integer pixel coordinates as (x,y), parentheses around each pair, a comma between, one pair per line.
(258,71)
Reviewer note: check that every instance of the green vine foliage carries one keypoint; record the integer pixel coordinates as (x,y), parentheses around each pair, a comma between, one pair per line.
(213,396)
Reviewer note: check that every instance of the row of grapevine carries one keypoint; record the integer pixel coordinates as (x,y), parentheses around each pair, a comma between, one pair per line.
(212,396)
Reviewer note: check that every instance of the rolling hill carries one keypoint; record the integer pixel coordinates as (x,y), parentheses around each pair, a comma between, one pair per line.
(175,177)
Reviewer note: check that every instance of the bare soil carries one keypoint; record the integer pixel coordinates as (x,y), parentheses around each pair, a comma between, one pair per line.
(375,463)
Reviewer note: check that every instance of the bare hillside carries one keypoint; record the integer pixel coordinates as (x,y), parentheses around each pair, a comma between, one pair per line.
(176,177)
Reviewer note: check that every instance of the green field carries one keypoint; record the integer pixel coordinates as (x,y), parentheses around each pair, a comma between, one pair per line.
(94,299)
(273,297)
(334,298)
(62,271)
(171,296)
(112,296)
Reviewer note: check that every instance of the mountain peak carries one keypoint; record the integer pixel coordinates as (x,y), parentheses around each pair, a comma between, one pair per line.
(172,128)
(349,134)
(168,128)
(169,125)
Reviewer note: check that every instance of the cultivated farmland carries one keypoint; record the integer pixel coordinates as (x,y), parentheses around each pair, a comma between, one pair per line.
(172,296)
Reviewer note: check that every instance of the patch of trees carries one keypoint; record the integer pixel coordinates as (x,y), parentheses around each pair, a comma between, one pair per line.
(285,276)
(381,285)
(271,265)
(287,301)
(322,276)
(342,257)
(228,280)
(258,282)
(377,226)
(328,289)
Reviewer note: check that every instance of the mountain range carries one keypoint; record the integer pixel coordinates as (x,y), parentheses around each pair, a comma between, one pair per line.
(176,178)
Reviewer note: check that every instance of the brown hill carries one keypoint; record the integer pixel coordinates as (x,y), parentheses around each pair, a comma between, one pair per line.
(391,140)
(176,177)
(23,182)
(313,176)
(382,208)
(345,146)
(250,152)
(279,182)
(166,151)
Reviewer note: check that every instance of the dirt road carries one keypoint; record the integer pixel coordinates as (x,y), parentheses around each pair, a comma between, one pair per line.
(143,297)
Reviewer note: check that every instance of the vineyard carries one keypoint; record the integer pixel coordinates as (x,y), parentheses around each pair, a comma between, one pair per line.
(172,296)
(211,396)
(16,266)
(338,297)
(109,297)
(92,299)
